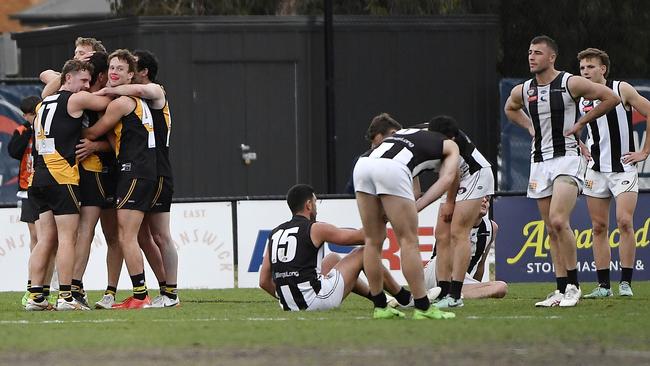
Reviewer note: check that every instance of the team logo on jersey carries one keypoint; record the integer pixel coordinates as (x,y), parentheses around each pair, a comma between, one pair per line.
(462,190)
(589,184)
(587,105)
(532,94)
(561,90)
(625,182)
(532,186)
(126,167)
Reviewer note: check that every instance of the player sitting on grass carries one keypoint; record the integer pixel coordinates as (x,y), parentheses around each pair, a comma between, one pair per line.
(296,272)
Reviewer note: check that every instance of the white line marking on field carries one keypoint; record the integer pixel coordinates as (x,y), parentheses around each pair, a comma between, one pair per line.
(253,319)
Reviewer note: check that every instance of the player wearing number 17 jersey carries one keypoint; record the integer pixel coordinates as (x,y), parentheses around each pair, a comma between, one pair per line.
(54,186)
(131,121)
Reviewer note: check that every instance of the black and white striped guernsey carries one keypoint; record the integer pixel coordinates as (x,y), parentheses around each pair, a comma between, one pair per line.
(419,150)
(610,136)
(295,263)
(553,110)
(472,159)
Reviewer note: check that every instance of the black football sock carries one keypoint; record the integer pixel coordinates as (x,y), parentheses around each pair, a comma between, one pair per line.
(171,291)
(561,284)
(162,287)
(422,303)
(111,290)
(603,278)
(456,288)
(379,300)
(403,296)
(65,292)
(444,289)
(626,274)
(572,277)
(139,286)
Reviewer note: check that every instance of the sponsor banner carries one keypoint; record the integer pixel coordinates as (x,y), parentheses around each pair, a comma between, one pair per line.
(522,253)
(202,234)
(514,159)
(256,219)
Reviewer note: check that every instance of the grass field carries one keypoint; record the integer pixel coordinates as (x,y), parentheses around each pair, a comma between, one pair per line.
(245,327)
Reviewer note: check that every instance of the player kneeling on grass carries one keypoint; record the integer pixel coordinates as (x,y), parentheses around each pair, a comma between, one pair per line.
(295,270)
(482,238)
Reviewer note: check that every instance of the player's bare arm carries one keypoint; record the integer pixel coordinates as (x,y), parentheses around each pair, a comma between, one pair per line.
(266,280)
(322,232)
(87,147)
(514,110)
(581,87)
(117,109)
(151,91)
(633,99)
(446,176)
(83,100)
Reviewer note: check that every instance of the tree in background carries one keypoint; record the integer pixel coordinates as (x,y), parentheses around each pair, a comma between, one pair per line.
(617,26)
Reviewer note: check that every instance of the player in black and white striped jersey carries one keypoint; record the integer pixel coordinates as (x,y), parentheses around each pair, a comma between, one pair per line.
(383,181)
(612,170)
(482,238)
(457,212)
(295,270)
(557,169)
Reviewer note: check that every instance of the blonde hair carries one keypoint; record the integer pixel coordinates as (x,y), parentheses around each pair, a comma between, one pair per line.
(92,42)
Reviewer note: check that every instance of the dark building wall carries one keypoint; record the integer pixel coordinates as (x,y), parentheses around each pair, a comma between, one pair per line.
(260,81)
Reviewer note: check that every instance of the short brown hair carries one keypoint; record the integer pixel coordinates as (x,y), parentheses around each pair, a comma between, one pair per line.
(381,124)
(92,42)
(75,66)
(550,42)
(595,53)
(124,55)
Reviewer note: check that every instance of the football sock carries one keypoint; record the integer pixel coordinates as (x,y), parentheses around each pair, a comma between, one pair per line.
(603,278)
(626,274)
(36,293)
(403,296)
(110,290)
(76,287)
(379,300)
(444,289)
(65,292)
(29,284)
(422,303)
(46,290)
(171,291)
(561,284)
(162,286)
(572,277)
(139,286)
(456,288)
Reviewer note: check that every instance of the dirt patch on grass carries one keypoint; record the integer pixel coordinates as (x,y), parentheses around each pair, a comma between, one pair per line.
(493,354)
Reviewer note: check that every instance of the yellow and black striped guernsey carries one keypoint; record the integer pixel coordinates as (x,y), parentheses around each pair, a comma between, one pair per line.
(99,162)
(56,135)
(162,123)
(135,143)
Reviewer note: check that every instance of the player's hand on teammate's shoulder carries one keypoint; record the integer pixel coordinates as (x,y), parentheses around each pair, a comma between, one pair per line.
(105,92)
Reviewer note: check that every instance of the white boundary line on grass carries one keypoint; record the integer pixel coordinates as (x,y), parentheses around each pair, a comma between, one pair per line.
(111,320)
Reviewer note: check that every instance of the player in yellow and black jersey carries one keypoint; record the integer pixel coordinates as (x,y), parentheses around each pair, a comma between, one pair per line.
(131,121)
(54,187)
(155,226)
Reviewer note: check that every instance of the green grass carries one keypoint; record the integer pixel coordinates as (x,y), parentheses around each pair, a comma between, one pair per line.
(246,320)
